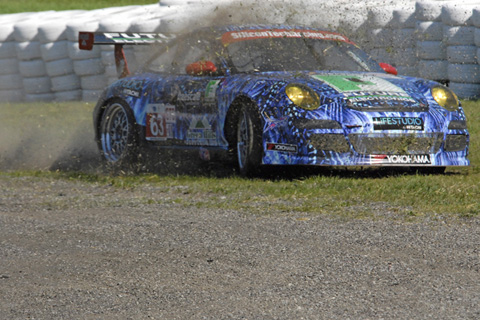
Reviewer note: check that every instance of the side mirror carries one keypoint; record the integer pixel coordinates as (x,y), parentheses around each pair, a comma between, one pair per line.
(200,68)
(388,68)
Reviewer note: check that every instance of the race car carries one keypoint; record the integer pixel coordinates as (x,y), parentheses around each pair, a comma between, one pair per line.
(274,95)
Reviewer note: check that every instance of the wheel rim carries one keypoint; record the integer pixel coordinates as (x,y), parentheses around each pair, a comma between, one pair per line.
(115,132)
(243,141)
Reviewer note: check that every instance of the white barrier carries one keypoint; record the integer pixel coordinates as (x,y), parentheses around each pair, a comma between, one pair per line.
(40,58)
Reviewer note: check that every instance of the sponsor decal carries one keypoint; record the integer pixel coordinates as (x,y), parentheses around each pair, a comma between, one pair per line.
(85,40)
(189,96)
(160,122)
(200,132)
(378,97)
(360,82)
(204,154)
(361,88)
(401,159)
(134,37)
(211,90)
(282,147)
(235,36)
(398,123)
(133,87)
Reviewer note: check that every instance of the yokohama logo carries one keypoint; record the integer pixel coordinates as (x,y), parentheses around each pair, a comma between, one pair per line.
(401,159)
(282,147)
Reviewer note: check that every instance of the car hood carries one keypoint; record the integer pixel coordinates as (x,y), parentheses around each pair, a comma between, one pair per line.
(366,91)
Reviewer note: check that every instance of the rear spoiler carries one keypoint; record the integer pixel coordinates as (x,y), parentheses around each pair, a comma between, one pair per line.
(86,41)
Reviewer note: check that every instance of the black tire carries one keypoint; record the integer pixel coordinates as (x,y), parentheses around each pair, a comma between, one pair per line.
(249,145)
(430,170)
(118,138)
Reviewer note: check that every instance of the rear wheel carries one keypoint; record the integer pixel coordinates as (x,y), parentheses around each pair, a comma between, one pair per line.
(118,139)
(249,141)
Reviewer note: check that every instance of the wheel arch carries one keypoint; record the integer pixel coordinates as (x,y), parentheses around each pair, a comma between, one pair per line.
(231,118)
(100,109)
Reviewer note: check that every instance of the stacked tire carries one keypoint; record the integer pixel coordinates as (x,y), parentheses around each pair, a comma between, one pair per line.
(85,63)
(431,50)
(11,83)
(379,34)
(403,37)
(54,47)
(36,82)
(459,36)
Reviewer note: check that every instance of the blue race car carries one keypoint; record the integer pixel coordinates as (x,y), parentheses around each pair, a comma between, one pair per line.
(274,95)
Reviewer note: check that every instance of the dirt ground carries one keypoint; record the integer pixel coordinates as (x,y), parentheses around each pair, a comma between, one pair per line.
(79,250)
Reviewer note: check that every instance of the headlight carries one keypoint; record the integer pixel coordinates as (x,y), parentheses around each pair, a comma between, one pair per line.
(445,98)
(303,96)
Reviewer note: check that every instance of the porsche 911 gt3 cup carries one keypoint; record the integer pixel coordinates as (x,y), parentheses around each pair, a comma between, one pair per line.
(274,95)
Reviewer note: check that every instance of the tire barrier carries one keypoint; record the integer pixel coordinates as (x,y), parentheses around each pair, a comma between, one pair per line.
(40,59)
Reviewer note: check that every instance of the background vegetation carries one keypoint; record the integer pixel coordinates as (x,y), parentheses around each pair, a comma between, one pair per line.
(9,6)
(340,192)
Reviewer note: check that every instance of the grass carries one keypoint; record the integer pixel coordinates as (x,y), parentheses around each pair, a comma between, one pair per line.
(344,193)
(338,192)
(8,6)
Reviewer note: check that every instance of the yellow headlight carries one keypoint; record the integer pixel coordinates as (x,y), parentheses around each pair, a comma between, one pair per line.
(445,98)
(302,96)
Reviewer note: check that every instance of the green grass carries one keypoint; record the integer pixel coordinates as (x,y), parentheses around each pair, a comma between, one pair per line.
(8,6)
(340,192)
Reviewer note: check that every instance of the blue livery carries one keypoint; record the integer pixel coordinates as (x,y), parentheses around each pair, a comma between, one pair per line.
(279,95)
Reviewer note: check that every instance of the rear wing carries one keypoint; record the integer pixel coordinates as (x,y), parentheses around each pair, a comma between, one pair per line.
(86,41)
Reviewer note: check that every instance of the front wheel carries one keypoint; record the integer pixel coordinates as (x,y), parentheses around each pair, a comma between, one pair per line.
(118,139)
(249,141)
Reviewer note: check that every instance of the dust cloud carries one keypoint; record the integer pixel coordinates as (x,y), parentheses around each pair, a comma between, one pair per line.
(61,139)
(64,140)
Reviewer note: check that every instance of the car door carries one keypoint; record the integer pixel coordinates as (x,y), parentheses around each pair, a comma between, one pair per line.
(183,109)
(194,92)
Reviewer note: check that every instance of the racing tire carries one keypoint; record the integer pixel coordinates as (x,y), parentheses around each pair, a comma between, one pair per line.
(32,68)
(118,137)
(457,15)
(52,31)
(428,11)
(431,50)
(379,17)
(476,17)
(404,38)
(462,54)
(28,50)
(249,141)
(430,170)
(7,50)
(459,36)
(26,31)
(9,66)
(429,31)
(463,73)
(53,51)
(403,18)
(58,68)
(68,82)
(465,90)
(6,32)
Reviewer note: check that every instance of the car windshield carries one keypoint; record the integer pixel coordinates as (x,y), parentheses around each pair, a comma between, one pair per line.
(298,54)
